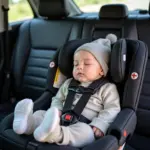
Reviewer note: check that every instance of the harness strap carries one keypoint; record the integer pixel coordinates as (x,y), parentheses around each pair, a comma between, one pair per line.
(86,94)
(93,87)
(71,94)
(84,119)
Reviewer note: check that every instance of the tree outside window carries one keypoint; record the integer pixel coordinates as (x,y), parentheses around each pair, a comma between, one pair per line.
(19,10)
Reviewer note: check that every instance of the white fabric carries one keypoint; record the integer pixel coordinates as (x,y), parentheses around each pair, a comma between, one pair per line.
(22,116)
(77,135)
(45,125)
(102,107)
(48,125)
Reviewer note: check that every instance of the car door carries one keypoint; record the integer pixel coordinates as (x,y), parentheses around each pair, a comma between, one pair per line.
(19,12)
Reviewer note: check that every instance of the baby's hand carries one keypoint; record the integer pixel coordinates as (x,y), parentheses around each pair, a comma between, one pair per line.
(97,132)
(60,113)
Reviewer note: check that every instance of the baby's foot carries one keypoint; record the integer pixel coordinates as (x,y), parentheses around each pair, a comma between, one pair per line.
(21,115)
(48,125)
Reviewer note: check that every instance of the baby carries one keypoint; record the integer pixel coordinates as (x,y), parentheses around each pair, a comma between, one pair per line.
(90,64)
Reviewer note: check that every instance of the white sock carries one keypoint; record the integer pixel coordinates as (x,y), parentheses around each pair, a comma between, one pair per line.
(48,125)
(22,113)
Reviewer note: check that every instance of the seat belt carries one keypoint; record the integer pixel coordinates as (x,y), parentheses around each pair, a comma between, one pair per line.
(6,88)
(70,116)
(149,8)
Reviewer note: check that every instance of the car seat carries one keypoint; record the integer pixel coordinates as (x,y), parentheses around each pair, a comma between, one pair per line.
(127,67)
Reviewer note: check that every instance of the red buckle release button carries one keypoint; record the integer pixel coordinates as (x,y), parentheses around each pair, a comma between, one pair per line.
(68,117)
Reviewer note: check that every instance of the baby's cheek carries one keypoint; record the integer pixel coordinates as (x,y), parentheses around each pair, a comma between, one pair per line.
(90,73)
(74,73)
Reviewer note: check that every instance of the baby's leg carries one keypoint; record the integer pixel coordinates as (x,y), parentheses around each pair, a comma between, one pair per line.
(38,117)
(25,122)
(23,116)
(49,125)
(77,135)
(34,121)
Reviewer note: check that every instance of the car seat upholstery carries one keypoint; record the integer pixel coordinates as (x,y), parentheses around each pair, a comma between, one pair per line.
(122,73)
(118,23)
(141,137)
(37,43)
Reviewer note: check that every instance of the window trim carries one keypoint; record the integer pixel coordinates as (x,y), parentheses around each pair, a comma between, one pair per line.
(34,8)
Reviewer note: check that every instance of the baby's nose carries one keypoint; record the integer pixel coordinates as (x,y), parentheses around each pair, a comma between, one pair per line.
(80,67)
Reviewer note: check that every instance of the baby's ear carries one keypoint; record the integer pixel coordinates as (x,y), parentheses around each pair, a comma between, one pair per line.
(101,72)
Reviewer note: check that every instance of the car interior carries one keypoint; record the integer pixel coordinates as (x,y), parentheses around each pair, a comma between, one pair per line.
(57,29)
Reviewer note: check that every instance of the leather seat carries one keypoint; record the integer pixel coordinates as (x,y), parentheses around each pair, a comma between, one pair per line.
(119,23)
(37,43)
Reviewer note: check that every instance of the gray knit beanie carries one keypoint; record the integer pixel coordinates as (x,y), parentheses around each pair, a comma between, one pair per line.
(101,49)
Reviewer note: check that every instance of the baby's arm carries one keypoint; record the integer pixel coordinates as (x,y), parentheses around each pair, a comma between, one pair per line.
(111,107)
(59,99)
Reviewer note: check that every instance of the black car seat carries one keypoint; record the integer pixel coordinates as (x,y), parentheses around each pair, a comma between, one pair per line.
(127,66)
(141,137)
(37,42)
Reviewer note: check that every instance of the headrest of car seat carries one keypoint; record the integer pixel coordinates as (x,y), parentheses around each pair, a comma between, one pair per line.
(113,11)
(53,9)
(117,59)
(65,59)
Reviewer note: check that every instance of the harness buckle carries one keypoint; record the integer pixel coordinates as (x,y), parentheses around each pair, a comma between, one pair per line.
(69,118)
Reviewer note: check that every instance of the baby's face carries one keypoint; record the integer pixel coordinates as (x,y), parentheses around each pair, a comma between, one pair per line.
(86,67)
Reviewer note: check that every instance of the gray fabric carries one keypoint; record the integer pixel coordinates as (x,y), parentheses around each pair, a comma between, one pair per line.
(77,135)
(101,50)
(101,108)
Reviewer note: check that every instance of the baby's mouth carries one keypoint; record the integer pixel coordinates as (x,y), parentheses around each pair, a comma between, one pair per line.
(80,74)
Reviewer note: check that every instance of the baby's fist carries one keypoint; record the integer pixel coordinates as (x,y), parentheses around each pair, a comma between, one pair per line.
(97,132)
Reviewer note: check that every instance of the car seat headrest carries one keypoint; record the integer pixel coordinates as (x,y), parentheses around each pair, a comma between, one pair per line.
(117,58)
(113,11)
(65,59)
(52,9)
(118,61)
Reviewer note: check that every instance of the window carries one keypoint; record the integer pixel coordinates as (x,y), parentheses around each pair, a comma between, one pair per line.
(19,10)
(94,5)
